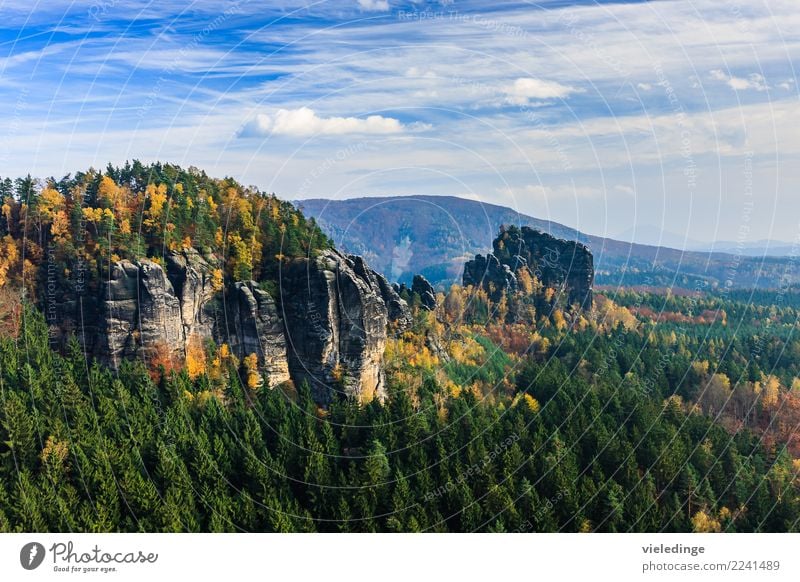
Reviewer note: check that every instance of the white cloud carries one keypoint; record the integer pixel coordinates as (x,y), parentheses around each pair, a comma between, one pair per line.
(374,5)
(754,81)
(644,86)
(304,121)
(527,88)
(786,85)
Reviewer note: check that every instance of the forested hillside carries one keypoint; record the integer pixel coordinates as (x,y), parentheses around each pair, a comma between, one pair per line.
(516,401)
(434,235)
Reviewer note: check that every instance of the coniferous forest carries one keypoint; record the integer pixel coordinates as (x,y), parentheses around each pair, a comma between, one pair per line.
(500,410)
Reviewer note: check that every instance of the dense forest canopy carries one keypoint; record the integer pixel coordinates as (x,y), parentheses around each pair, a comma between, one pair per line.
(648,411)
(76,225)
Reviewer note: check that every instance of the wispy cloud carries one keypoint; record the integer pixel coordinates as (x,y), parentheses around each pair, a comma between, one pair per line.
(579,95)
(754,81)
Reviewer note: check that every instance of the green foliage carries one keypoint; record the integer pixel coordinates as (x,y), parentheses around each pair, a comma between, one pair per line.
(89,450)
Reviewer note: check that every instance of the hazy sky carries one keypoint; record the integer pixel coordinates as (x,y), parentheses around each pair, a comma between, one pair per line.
(612,117)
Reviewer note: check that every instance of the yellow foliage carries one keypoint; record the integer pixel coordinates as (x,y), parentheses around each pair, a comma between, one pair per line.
(251,369)
(60,225)
(770,389)
(558,320)
(125,226)
(705,523)
(54,452)
(217,281)
(195,358)
(93,215)
(610,314)
(157,196)
(51,201)
(532,403)
(9,257)
(109,191)
(467,351)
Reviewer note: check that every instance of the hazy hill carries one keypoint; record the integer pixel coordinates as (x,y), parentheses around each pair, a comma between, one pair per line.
(434,235)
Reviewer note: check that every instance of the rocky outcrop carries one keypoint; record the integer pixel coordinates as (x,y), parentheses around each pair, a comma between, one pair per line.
(328,326)
(250,324)
(556,263)
(489,273)
(140,315)
(398,311)
(335,320)
(192,281)
(424,289)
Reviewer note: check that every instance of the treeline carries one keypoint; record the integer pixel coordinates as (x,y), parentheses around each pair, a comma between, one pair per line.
(68,229)
(83,449)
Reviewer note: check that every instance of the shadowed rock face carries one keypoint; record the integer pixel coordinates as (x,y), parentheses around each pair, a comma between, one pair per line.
(488,272)
(250,324)
(425,290)
(556,263)
(328,327)
(336,319)
(139,313)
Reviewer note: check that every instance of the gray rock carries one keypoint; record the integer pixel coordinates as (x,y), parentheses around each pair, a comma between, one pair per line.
(335,319)
(328,327)
(427,295)
(492,275)
(250,324)
(140,314)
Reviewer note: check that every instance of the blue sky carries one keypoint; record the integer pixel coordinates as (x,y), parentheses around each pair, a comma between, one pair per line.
(624,119)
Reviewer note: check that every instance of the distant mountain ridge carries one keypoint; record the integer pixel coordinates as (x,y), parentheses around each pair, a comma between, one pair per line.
(436,235)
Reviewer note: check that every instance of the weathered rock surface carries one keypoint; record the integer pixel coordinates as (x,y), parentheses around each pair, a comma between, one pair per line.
(328,327)
(488,272)
(335,320)
(424,289)
(140,314)
(250,324)
(191,277)
(555,262)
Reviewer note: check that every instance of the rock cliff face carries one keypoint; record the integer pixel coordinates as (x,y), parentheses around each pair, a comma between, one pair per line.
(336,318)
(139,313)
(250,324)
(488,272)
(556,263)
(424,289)
(328,326)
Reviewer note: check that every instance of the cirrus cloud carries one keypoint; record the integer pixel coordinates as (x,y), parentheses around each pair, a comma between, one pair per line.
(304,122)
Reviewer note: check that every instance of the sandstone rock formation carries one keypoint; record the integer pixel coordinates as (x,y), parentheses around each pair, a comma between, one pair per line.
(336,320)
(425,290)
(488,272)
(328,326)
(250,324)
(557,263)
(139,313)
